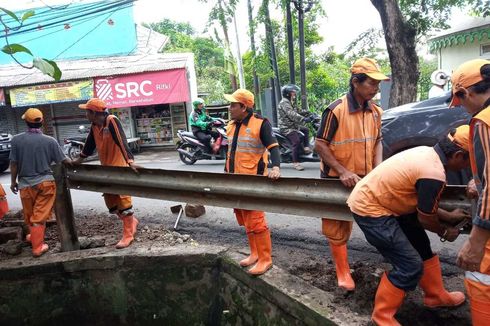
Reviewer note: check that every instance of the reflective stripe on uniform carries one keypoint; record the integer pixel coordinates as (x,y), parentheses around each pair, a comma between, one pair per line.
(478,277)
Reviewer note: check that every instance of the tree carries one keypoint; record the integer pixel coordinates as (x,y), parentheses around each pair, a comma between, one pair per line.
(46,66)
(404,23)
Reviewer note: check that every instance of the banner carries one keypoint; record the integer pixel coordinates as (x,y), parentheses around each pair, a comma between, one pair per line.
(52,93)
(159,87)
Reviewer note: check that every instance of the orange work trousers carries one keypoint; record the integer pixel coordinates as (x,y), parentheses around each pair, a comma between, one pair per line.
(4,207)
(254,221)
(337,232)
(37,202)
(478,289)
(117,204)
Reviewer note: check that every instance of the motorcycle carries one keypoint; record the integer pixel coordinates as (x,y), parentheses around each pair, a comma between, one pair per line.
(74,145)
(286,148)
(192,149)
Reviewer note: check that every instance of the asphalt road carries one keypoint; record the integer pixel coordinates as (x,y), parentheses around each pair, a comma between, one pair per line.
(218,224)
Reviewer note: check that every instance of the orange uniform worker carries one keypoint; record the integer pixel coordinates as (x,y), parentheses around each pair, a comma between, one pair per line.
(4,207)
(31,156)
(349,145)
(471,88)
(107,136)
(249,140)
(393,205)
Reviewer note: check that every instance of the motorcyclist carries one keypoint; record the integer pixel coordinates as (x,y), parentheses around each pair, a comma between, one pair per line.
(291,122)
(202,124)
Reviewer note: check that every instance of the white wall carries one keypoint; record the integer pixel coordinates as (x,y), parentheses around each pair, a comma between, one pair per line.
(451,57)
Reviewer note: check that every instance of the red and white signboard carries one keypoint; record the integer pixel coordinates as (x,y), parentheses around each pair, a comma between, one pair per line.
(143,89)
(2,97)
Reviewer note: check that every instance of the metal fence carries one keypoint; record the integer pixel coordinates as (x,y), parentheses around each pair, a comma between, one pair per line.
(294,196)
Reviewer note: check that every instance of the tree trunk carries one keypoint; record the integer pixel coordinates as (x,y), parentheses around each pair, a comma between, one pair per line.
(223,23)
(400,42)
(251,25)
(272,48)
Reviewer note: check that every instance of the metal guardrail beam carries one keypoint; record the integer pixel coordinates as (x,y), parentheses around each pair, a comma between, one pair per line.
(293,196)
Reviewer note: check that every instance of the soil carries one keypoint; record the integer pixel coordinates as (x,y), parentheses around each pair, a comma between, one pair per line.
(297,254)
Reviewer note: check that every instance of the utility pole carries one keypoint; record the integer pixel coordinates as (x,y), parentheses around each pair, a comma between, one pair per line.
(302,6)
(289,28)
(251,25)
(241,77)
(272,52)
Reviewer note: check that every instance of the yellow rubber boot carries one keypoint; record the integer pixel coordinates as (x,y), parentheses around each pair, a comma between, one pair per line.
(37,240)
(130,224)
(264,251)
(344,279)
(252,259)
(386,303)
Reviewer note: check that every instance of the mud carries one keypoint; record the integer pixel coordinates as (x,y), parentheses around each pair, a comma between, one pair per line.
(310,260)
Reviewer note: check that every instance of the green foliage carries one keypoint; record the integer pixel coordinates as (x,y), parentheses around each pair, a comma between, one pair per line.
(426,68)
(209,57)
(46,66)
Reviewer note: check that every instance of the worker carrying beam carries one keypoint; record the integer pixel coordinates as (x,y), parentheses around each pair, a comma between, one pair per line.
(393,205)
(31,156)
(471,89)
(250,139)
(349,145)
(107,136)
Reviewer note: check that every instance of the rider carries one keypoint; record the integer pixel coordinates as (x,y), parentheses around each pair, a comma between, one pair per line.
(201,124)
(291,123)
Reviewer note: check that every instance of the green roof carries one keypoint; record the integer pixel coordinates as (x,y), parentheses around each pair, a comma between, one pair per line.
(459,38)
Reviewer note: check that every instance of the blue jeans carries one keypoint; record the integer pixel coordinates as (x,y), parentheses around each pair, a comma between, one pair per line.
(403,242)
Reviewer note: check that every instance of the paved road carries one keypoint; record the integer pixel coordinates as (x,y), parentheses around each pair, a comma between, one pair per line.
(219,224)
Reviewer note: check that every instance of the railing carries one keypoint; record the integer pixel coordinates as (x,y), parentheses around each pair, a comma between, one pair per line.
(293,196)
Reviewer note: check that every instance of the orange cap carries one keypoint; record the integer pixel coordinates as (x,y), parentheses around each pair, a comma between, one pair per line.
(466,75)
(369,67)
(241,96)
(94,104)
(33,115)
(461,137)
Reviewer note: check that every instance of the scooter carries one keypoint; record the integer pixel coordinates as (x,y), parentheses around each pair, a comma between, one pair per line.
(286,148)
(192,149)
(74,145)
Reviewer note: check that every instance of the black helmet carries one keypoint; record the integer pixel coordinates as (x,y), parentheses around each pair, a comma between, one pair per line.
(287,89)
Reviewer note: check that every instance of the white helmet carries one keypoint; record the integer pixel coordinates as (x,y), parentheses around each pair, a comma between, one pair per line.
(439,77)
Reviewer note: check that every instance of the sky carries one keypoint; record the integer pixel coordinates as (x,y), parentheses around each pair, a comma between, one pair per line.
(344,21)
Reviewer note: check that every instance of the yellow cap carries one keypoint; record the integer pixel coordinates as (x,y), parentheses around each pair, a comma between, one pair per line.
(33,115)
(241,96)
(369,67)
(94,104)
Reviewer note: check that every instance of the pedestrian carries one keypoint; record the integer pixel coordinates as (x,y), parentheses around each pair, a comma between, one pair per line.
(107,136)
(250,139)
(349,145)
(471,89)
(31,156)
(292,124)
(393,205)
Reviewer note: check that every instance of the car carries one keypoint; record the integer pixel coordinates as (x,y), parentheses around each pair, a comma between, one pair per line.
(5,139)
(422,123)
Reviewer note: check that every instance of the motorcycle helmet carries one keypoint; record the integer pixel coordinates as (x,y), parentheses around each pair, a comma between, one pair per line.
(196,102)
(287,89)
(439,78)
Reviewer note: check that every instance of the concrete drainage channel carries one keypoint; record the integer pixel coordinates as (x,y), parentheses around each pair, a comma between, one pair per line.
(153,286)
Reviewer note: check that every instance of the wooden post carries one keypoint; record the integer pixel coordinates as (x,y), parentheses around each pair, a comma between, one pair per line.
(64,211)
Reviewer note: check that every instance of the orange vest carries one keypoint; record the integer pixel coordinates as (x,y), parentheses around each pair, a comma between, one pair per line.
(354,142)
(4,207)
(110,154)
(482,117)
(249,150)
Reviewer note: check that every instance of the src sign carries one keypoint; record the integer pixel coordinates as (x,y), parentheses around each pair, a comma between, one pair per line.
(143,89)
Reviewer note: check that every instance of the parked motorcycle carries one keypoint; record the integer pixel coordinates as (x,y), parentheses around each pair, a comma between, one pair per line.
(286,148)
(74,145)
(192,149)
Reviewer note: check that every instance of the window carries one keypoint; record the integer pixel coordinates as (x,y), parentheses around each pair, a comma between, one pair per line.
(485,50)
